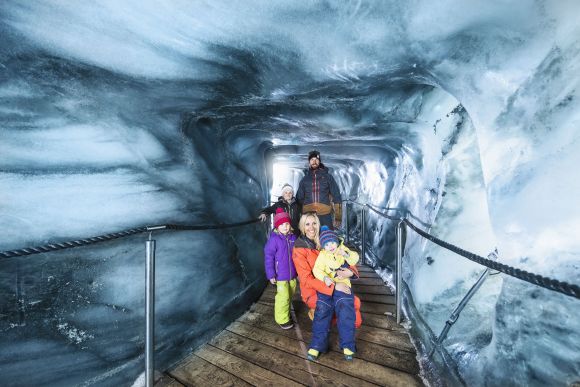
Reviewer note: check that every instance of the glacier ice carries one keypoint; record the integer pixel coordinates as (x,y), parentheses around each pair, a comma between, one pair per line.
(119,115)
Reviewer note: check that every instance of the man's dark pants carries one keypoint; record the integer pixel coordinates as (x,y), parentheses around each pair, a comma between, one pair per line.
(326,220)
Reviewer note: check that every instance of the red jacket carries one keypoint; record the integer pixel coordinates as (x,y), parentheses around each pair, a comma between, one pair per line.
(304,257)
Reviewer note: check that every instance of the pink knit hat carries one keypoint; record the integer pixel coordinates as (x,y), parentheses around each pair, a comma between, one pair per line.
(281,217)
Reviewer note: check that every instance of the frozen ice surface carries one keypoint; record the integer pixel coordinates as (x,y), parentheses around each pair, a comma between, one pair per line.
(117,115)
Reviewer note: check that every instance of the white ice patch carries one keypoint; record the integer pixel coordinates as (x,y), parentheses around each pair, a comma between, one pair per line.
(79,146)
(72,333)
(37,208)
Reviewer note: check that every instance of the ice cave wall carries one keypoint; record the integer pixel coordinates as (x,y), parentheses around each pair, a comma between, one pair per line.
(165,114)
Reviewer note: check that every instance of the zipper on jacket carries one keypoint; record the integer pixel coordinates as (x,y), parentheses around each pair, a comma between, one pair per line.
(314,187)
(289,211)
(289,258)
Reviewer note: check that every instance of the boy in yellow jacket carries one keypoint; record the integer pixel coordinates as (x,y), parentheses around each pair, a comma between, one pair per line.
(334,256)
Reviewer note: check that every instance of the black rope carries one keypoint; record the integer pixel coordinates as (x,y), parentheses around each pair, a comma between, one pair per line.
(536,279)
(384,215)
(210,226)
(120,234)
(377,211)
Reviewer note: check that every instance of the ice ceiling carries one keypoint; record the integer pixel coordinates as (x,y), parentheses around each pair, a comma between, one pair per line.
(121,114)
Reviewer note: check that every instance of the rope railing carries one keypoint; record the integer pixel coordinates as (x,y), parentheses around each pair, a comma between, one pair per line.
(403,212)
(535,279)
(382,214)
(121,234)
(403,220)
(149,271)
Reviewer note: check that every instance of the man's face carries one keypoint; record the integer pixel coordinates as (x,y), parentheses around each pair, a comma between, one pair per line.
(314,163)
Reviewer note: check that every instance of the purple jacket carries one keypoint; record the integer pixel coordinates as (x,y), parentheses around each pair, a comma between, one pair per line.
(278,256)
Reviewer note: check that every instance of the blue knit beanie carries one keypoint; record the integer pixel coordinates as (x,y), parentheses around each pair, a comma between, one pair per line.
(327,235)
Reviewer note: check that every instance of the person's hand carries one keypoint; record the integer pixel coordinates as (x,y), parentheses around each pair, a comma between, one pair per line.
(328,281)
(344,273)
(342,252)
(342,288)
(337,223)
(273,281)
(262,217)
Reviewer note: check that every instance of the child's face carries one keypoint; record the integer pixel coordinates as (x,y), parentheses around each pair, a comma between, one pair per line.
(330,246)
(287,195)
(284,228)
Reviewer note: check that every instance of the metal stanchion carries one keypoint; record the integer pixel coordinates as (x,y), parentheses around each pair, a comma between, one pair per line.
(345,217)
(455,315)
(400,228)
(149,311)
(362,234)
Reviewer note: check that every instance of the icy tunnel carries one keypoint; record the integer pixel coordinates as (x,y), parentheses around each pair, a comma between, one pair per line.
(117,115)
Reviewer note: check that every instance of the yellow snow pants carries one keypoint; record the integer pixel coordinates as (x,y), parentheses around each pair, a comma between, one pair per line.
(284,292)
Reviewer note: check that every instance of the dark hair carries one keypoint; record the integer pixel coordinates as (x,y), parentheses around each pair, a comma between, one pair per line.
(313,153)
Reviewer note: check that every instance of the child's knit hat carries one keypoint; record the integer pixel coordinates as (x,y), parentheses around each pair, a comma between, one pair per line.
(287,187)
(327,235)
(281,217)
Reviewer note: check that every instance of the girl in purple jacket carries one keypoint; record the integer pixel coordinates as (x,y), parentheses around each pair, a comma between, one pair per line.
(280,269)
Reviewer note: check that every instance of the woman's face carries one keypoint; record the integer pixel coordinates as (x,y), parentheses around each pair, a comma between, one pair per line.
(310,227)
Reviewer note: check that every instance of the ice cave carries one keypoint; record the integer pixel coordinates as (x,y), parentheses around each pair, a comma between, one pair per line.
(115,115)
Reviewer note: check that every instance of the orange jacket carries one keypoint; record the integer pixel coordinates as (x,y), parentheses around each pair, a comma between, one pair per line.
(304,257)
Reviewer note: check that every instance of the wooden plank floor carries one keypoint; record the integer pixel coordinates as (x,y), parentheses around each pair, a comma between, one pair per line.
(255,351)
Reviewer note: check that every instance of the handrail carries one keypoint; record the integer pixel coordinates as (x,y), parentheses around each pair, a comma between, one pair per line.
(149,271)
(116,235)
(571,290)
(381,208)
(405,213)
(536,279)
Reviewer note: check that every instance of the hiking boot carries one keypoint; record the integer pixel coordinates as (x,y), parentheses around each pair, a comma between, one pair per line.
(312,354)
(287,325)
(347,354)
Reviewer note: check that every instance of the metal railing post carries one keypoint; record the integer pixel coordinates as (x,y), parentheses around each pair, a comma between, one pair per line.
(457,311)
(345,217)
(400,228)
(149,311)
(362,233)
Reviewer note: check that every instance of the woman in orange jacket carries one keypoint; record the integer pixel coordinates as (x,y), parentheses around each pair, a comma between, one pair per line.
(306,250)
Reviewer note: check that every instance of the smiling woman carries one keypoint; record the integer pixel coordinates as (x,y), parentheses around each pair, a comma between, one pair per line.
(306,251)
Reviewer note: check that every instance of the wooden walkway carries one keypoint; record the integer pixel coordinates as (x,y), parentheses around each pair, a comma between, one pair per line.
(254,350)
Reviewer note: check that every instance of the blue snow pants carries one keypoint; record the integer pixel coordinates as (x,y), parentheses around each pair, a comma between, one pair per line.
(343,305)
